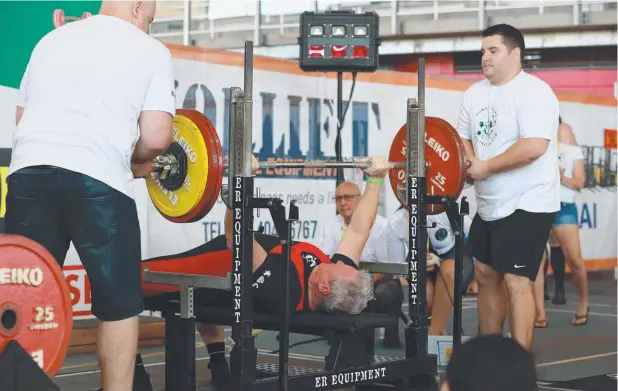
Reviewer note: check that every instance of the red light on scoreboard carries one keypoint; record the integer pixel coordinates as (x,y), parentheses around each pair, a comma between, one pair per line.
(338,51)
(316,51)
(360,51)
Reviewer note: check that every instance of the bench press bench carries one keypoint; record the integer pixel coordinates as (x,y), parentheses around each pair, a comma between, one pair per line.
(301,323)
(350,360)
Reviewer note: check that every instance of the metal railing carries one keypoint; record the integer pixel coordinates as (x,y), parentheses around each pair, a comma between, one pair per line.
(258,18)
(601,167)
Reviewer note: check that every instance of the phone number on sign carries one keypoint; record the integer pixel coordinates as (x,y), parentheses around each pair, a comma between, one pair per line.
(301,229)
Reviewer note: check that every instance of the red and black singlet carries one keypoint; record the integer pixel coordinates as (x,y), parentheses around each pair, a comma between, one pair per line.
(213,259)
(268,278)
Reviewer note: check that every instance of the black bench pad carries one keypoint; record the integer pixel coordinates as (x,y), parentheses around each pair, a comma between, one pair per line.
(313,323)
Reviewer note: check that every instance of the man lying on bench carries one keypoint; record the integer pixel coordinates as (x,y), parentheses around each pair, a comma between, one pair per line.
(317,282)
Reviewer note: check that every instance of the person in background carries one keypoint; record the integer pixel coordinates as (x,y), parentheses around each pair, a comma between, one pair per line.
(440,262)
(387,290)
(540,294)
(564,240)
(490,363)
(566,136)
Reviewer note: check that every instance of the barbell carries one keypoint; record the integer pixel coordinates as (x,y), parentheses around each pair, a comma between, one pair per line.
(167,165)
(187,178)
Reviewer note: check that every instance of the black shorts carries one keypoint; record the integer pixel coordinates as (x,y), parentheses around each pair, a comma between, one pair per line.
(55,207)
(514,244)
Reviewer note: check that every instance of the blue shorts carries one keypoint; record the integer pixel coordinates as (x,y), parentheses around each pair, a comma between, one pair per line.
(567,214)
(55,207)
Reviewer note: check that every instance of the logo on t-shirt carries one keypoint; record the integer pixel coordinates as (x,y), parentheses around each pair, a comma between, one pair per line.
(485,129)
(441,234)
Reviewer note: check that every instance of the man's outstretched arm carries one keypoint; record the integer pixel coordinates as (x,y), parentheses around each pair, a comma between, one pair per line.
(355,237)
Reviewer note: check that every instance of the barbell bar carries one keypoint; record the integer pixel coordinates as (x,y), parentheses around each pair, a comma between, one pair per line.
(167,165)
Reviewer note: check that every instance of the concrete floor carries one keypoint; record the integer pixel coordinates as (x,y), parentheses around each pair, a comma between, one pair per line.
(563,351)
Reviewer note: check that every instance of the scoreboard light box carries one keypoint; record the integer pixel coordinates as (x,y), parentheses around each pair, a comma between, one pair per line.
(339,41)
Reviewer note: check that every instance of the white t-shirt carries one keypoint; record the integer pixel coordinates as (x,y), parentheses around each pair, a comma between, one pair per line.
(83,91)
(494,118)
(374,250)
(567,155)
(441,236)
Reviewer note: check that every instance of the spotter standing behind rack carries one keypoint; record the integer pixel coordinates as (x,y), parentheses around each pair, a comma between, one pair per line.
(508,124)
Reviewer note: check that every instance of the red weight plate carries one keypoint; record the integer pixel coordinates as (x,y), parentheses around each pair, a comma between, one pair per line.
(215,176)
(35,304)
(215,167)
(445,157)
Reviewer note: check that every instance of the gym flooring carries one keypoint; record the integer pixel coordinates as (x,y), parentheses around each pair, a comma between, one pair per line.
(563,352)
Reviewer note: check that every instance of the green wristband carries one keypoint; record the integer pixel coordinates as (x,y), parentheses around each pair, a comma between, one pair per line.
(377,181)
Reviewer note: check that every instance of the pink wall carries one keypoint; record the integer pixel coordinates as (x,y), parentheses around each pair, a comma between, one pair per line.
(588,81)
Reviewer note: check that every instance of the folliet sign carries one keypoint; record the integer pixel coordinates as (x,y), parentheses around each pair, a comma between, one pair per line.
(610,139)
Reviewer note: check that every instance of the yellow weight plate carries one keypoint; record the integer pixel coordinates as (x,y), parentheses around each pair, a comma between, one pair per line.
(176,204)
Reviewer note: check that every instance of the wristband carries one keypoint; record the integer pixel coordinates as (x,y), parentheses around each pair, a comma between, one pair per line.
(377,181)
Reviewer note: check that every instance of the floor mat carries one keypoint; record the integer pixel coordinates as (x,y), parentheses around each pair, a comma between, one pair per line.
(593,383)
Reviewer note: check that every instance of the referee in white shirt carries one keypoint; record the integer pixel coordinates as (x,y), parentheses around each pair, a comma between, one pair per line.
(508,124)
(388,292)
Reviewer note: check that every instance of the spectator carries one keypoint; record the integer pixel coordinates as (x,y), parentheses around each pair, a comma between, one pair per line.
(490,362)
(540,294)
(347,196)
(441,274)
(388,292)
(565,241)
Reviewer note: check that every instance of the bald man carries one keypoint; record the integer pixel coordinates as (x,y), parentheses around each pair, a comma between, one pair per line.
(87,87)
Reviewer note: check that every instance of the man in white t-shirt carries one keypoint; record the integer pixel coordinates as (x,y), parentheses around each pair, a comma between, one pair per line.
(508,124)
(347,196)
(388,292)
(87,87)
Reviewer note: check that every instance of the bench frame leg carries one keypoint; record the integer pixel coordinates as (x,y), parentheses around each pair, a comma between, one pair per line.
(350,350)
(179,353)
